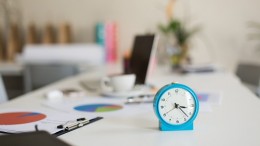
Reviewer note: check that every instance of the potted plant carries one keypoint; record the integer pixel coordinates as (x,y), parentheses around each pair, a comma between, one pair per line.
(178,36)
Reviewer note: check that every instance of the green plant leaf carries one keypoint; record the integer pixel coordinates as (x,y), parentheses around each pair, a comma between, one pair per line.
(177,28)
(163,29)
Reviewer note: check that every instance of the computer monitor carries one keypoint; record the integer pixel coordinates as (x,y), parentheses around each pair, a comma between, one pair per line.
(144,49)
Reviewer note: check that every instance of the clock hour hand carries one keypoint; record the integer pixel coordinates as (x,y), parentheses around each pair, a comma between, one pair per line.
(178,106)
(183,111)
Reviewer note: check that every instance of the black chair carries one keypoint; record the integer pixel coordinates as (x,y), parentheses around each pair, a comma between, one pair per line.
(39,75)
(250,74)
(3,95)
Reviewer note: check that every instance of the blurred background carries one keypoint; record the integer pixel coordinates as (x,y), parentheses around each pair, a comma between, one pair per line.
(228,34)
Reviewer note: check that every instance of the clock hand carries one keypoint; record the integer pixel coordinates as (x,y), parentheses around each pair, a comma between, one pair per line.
(176,105)
(183,112)
(171,109)
(182,106)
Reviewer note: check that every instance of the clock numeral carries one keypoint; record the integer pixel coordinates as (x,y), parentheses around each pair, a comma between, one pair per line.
(177,121)
(164,115)
(162,107)
(170,119)
(189,113)
(176,91)
(192,105)
(163,99)
(169,93)
(185,119)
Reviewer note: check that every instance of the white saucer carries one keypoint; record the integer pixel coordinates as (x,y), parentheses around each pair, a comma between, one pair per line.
(122,94)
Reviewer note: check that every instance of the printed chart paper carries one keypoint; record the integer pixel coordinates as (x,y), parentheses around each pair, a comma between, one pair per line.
(24,120)
(99,106)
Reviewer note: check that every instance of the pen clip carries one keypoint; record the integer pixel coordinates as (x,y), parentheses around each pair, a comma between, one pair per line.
(73,124)
(140,99)
(82,123)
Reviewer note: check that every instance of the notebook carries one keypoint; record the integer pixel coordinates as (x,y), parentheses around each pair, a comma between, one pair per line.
(144,49)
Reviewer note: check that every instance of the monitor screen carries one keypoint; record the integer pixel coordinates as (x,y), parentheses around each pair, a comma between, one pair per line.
(143,49)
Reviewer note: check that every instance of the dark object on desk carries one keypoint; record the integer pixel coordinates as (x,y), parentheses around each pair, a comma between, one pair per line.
(197,69)
(40,138)
(202,70)
(126,62)
(143,51)
(249,73)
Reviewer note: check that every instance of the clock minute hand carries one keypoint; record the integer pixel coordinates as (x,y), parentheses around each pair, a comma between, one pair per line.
(182,106)
(171,109)
(183,112)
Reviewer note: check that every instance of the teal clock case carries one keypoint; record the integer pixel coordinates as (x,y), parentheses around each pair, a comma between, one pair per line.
(164,126)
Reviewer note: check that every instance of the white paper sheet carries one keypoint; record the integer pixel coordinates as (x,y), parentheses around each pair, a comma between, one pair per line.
(210,97)
(109,107)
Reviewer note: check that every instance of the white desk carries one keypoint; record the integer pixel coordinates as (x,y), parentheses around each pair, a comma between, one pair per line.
(235,122)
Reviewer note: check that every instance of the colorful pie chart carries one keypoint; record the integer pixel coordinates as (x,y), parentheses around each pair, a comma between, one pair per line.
(98,107)
(13,118)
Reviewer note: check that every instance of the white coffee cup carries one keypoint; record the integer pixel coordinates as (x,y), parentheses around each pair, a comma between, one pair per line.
(118,83)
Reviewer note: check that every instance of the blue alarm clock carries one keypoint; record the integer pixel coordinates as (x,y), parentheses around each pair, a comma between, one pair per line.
(176,106)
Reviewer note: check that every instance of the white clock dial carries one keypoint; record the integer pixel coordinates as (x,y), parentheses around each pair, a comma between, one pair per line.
(176,106)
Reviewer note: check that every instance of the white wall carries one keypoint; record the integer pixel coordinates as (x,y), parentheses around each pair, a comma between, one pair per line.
(224,21)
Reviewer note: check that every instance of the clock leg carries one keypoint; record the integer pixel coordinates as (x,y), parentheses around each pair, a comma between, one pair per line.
(171,128)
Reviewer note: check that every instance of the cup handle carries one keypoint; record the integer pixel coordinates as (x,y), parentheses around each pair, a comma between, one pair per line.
(106,84)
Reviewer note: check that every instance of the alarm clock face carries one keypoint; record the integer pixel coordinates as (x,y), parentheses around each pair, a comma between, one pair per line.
(176,106)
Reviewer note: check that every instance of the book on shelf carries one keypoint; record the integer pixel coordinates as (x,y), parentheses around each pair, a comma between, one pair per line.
(106,36)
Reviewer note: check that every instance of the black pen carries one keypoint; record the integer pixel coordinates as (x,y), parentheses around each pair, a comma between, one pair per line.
(81,119)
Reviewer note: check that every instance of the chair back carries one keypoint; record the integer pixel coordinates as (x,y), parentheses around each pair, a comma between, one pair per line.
(3,95)
(39,75)
(249,73)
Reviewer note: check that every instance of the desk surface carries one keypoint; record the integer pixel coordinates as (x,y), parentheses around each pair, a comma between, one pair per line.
(235,122)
